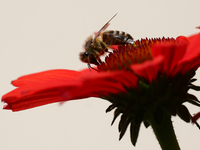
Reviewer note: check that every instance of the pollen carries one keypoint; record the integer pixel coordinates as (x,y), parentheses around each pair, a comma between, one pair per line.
(129,54)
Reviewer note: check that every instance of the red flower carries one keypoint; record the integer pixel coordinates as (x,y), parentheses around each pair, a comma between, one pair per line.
(149,76)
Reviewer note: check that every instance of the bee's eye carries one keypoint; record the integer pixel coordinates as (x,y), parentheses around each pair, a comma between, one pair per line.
(86,54)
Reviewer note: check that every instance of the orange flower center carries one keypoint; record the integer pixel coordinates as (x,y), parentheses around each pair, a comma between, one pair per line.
(126,55)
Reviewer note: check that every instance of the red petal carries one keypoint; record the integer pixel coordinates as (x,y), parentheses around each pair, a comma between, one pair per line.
(34,100)
(183,40)
(41,88)
(149,69)
(123,77)
(45,76)
(195,117)
(191,59)
(34,95)
(114,47)
(62,85)
(192,38)
(172,52)
(103,83)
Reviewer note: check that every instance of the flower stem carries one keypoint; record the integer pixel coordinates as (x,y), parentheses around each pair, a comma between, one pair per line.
(165,133)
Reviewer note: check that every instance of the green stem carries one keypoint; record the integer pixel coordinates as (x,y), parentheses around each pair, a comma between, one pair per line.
(165,133)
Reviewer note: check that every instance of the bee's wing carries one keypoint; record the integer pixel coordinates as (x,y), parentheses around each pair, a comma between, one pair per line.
(103,28)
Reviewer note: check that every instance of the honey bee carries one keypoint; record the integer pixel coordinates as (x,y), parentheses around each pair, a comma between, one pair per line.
(98,46)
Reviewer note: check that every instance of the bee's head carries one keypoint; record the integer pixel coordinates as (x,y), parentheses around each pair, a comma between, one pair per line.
(88,57)
(84,57)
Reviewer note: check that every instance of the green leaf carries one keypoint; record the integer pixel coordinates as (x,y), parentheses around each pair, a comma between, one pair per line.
(190,96)
(194,87)
(111,107)
(183,113)
(124,127)
(193,102)
(146,124)
(116,114)
(193,80)
(122,122)
(134,132)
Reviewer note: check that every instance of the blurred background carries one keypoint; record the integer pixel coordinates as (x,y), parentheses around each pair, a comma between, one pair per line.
(49,34)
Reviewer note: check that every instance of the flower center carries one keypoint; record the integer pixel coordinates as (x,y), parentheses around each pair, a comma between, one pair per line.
(126,55)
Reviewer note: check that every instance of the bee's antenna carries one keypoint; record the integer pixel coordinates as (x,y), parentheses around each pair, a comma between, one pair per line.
(103,28)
